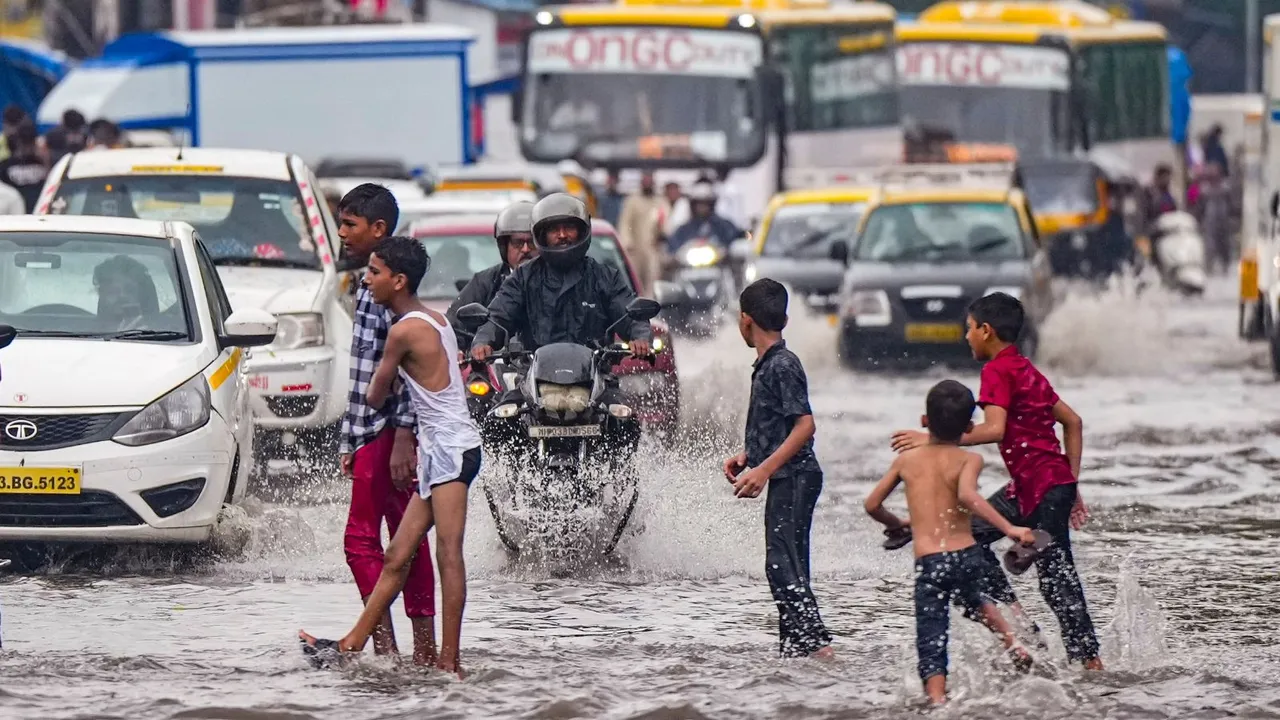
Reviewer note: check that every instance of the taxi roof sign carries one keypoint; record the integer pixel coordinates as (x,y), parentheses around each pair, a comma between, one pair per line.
(951,175)
(175,169)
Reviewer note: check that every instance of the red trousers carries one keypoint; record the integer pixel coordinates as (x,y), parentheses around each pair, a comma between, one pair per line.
(373,497)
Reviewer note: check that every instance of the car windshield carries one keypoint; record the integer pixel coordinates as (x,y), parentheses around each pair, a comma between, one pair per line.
(806,231)
(91,285)
(1061,189)
(459,257)
(243,221)
(941,231)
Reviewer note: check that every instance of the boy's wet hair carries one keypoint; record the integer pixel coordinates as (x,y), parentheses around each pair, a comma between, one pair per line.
(949,408)
(405,256)
(765,302)
(372,202)
(1003,312)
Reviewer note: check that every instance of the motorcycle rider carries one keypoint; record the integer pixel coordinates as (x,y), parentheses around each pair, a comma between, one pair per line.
(513,231)
(704,223)
(562,295)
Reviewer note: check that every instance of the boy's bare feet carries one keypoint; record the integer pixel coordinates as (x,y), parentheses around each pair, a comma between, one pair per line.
(936,688)
(451,667)
(1021,658)
(424,657)
(1093,664)
(824,653)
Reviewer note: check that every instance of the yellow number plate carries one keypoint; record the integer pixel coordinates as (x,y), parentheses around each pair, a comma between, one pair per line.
(40,481)
(933,333)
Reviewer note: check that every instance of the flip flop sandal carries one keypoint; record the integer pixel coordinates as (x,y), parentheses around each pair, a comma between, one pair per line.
(1019,557)
(897,538)
(324,654)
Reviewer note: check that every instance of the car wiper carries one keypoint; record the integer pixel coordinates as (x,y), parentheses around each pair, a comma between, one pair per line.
(56,333)
(141,334)
(990,243)
(266,262)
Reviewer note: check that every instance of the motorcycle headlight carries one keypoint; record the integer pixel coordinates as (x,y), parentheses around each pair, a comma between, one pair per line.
(298,330)
(750,272)
(1014,292)
(870,308)
(658,345)
(181,410)
(702,256)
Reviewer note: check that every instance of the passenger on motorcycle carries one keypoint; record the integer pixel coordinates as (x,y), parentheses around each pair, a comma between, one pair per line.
(513,231)
(705,223)
(562,295)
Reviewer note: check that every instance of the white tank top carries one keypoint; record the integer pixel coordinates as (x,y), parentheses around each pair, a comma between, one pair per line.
(445,428)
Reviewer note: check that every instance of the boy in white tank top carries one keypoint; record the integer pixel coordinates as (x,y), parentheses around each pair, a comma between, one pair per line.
(421,349)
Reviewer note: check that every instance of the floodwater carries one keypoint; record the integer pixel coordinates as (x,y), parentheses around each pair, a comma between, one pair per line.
(1181,463)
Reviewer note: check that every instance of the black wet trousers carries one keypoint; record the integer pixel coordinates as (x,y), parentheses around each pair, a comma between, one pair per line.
(788,517)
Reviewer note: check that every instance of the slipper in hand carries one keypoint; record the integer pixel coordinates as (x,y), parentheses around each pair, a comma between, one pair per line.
(1018,558)
(323,654)
(897,537)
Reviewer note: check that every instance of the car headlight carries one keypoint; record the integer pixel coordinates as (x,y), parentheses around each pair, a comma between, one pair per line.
(870,308)
(702,256)
(1015,292)
(750,272)
(181,410)
(298,330)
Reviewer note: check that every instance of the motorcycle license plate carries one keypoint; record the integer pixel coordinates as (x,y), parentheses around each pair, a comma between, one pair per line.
(701,274)
(544,431)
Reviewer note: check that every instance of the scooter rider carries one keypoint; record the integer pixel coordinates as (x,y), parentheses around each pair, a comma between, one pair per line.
(704,223)
(562,295)
(513,231)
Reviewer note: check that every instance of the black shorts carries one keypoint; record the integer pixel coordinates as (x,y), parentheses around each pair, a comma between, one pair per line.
(471,462)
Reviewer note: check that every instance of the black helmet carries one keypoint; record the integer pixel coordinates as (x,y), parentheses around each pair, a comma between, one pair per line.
(514,218)
(553,210)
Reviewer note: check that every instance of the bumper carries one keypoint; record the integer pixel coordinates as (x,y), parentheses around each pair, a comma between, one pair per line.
(111,506)
(898,341)
(293,388)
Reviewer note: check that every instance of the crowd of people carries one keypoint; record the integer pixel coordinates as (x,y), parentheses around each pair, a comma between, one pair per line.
(26,156)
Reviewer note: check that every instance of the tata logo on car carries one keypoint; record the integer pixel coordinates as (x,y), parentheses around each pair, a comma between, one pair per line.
(935,306)
(20,430)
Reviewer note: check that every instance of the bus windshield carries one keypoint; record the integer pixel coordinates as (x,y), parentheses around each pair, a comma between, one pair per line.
(969,93)
(616,94)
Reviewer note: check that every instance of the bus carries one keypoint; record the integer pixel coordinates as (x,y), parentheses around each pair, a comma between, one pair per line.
(766,89)
(999,81)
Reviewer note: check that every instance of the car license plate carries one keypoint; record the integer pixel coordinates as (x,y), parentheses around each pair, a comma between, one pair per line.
(40,481)
(934,333)
(543,431)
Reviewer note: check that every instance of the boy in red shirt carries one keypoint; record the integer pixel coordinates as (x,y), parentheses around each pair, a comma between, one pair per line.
(1021,409)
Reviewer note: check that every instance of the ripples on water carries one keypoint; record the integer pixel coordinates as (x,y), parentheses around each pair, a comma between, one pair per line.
(1179,564)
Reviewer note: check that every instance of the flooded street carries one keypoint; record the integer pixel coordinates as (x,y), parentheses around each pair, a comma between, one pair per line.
(1181,470)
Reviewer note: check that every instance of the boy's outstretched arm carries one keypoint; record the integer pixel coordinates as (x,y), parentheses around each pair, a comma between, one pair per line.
(875,500)
(385,375)
(978,505)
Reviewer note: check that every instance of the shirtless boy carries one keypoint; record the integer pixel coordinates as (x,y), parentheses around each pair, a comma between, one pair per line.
(942,489)
(421,349)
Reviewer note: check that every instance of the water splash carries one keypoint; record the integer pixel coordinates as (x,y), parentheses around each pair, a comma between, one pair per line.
(1135,638)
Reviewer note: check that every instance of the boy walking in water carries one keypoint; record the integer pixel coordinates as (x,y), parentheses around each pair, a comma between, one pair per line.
(942,488)
(421,350)
(377,441)
(1021,408)
(779,453)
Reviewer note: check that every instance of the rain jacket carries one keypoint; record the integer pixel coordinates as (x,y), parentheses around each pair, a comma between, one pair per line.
(482,289)
(543,305)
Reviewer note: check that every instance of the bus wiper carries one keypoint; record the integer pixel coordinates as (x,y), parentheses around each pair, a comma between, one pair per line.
(265,262)
(141,334)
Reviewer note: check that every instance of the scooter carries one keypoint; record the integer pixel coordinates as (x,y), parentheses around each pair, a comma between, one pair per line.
(700,269)
(1179,252)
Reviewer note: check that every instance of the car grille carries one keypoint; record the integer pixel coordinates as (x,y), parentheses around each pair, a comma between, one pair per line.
(936,309)
(292,406)
(55,431)
(90,508)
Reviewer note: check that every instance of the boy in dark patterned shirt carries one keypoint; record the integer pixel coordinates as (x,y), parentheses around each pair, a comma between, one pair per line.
(779,452)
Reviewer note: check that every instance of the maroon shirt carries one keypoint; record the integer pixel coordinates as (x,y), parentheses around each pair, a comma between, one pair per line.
(1030,446)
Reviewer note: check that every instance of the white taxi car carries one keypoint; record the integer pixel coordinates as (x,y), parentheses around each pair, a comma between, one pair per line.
(124,404)
(275,244)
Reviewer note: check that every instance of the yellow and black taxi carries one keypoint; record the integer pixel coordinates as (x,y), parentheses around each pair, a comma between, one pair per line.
(795,238)
(921,256)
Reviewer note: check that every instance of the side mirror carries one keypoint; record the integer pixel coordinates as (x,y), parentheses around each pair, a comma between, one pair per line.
(473,315)
(461,283)
(248,328)
(515,346)
(1275,204)
(669,294)
(840,252)
(642,309)
(7,334)
(739,249)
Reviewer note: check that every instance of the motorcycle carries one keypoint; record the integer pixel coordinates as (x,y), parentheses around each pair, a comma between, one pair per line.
(1179,252)
(699,269)
(569,439)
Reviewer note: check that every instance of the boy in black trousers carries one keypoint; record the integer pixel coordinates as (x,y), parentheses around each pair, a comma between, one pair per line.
(779,452)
